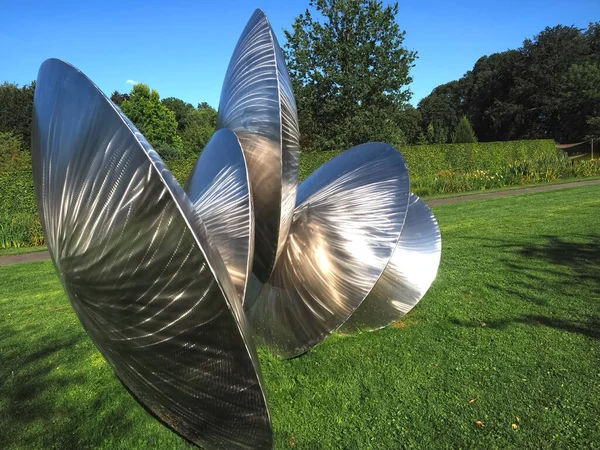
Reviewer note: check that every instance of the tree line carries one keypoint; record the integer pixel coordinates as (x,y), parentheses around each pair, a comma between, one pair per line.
(350,71)
(548,88)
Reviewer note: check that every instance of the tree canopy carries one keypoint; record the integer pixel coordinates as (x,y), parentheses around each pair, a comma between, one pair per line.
(16,109)
(548,88)
(350,73)
(154,120)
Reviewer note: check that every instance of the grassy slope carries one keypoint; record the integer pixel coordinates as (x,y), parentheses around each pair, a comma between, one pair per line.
(513,321)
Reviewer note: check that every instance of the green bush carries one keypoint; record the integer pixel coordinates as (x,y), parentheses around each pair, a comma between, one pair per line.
(434,169)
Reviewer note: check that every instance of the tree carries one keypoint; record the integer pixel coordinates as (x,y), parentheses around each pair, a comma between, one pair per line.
(12,156)
(198,127)
(180,108)
(548,88)
(16,109)
(442,109)
(350,73)
(410,124)
(118,98)
(154,120)
(463,133)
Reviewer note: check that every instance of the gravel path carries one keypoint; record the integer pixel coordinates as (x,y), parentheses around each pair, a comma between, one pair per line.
(44,255)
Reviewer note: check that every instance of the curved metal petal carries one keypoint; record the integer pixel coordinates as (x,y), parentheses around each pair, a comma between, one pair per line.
(347,222)
(257,103)
(218,188)
(148,286)
(409,273)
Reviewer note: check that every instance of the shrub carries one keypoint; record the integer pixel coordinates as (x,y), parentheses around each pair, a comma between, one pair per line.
(12,153)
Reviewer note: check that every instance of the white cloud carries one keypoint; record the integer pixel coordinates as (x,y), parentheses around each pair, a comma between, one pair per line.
(132,82)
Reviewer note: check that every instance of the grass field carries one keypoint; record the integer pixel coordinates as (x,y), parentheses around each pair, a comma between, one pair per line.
(503,352)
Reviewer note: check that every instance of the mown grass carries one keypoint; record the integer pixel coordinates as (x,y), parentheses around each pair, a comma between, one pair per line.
(503,352)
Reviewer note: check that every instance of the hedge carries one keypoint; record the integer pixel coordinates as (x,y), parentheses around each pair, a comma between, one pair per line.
(433,169)
(429,160)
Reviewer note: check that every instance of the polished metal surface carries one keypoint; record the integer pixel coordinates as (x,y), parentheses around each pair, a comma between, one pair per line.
(408,275)
(258,104)
(149,287)
(347,222)
(218,187)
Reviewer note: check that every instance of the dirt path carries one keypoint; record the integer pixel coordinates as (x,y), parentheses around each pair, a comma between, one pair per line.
(549,187)
(44,255)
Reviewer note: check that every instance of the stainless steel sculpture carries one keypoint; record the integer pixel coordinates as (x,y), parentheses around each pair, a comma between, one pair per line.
(409,273)
(347,222)
(218,187)
(160,277)
(141,273)
(258,104)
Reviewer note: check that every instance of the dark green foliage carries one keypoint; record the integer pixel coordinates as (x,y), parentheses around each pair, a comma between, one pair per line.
(19,223)
(118,98)
(179,107)
(153,119)
(194,126)
(198,126)
(12,154)
(350,73)
(548,88)
(16,106)
(463,133)
(440,110)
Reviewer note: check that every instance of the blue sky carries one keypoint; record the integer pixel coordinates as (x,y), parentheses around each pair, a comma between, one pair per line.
(182,48)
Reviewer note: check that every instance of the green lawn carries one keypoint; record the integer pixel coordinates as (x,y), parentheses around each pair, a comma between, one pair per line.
(508,334)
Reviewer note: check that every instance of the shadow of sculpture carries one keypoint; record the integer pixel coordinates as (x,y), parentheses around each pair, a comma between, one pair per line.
(546,268)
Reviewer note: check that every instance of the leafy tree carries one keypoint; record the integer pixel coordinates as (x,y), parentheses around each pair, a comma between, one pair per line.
(350,73)
(441,109)
(548,88)
(118,98)
(180,108)
(16,109)
(198,127)
(463,133)
(430,136)
(410,124)
(154,120)
(12,156)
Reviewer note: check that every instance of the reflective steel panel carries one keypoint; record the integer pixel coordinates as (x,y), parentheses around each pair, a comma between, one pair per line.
(409,273)
(218,188)
(150,289)
(257,103)
(347,222)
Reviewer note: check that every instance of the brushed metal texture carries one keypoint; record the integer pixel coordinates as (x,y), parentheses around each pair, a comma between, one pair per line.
(347,222)
(219,190)
(150,289)
(408,275)
(257,103)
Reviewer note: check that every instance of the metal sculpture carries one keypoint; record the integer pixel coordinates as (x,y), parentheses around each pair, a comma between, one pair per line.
(170,284)
(257,104)
(408,275)
(141,273)
(347,221)
(219,190)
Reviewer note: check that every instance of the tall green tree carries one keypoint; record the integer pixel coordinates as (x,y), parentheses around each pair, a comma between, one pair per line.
(350,73)
(463,133)
(16,109)
(154,120)
(180,108)
(198,126)
(548,88)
